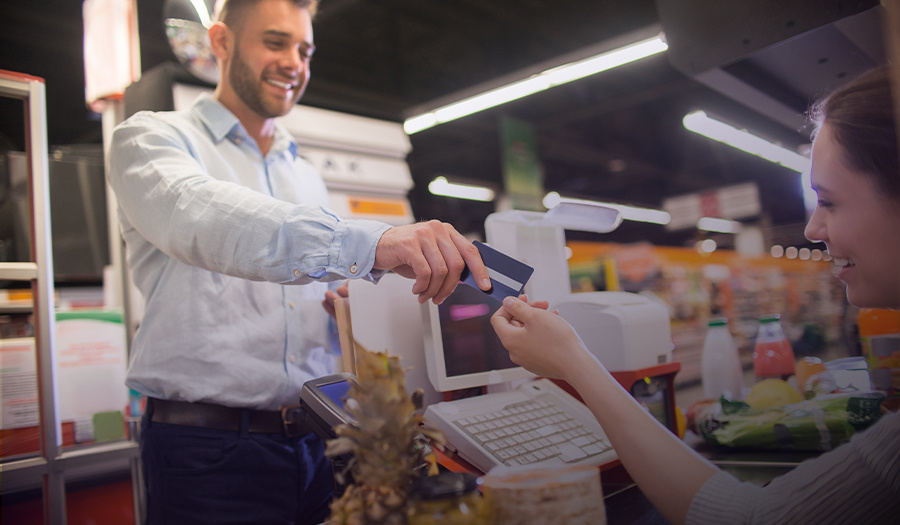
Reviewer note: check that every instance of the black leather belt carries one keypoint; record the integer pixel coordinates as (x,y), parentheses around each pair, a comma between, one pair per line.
(288,421)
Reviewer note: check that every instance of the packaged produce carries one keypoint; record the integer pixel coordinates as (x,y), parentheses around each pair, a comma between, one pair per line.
(815,424)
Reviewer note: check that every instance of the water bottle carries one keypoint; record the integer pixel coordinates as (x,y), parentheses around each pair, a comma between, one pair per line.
(720,365)
(773,356)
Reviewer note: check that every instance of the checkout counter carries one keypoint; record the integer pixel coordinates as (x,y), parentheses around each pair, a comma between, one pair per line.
(641,358)
(626,504)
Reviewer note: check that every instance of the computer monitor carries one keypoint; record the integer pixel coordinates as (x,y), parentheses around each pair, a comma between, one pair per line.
(461,348)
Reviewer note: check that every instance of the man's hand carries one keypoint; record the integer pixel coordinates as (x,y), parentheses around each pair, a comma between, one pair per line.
(434,254)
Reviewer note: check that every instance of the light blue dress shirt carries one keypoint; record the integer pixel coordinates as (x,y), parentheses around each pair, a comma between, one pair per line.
(218,239)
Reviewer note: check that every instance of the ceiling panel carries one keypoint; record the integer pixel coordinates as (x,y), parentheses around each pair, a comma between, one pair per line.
(615,136)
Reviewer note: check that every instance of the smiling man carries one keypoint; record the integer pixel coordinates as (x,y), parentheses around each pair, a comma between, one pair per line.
(265,59)
(231,244)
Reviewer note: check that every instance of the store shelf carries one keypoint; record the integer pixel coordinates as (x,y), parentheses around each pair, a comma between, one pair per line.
(18,271)
(31,91)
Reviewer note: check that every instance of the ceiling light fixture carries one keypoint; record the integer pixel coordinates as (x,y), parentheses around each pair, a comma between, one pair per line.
(202,13)
(713,224)
(631,213)
(700,122)
(535,83)
(441,186)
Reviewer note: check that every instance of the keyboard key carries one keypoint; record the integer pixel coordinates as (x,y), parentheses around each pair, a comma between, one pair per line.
(556,439)
(570,453)
(581,441)
(548,430)
(593,450)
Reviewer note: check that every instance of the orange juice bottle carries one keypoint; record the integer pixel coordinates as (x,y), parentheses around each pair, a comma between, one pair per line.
(773,356)
(879,331)
(874,321)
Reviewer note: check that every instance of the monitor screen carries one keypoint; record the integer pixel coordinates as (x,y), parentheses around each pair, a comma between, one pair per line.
(461,348)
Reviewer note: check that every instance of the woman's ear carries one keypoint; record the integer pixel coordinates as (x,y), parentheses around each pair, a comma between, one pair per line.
(221,40)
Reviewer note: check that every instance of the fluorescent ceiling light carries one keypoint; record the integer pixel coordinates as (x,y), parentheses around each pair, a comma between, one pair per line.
(700,122)
(538,82)
(712,224)
(202,12)
(441,186)
(631,213)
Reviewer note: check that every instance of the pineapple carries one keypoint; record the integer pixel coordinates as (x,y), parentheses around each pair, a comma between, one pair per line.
(385,443)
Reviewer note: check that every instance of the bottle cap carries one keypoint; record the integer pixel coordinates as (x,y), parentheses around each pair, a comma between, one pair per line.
(718,321)
(771,318)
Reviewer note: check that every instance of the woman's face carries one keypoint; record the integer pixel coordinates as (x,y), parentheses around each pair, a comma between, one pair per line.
(860,226)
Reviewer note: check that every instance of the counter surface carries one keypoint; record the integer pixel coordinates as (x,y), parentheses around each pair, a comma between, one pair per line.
(627,505)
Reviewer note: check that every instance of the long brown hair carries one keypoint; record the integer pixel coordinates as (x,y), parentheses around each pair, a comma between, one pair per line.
(860,117)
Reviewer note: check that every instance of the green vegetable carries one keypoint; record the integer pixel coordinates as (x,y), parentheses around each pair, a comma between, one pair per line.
(816,424)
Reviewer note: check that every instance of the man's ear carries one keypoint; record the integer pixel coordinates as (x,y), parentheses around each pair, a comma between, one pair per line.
(221,40)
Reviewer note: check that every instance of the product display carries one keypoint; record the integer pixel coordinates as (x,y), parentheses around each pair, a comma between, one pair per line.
(815,425)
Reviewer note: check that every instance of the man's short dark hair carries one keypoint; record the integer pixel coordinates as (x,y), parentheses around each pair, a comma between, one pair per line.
(231,12)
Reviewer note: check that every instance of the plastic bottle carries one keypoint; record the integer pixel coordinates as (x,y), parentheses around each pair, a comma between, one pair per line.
(875,322)
(772,353)
(720,365)
(879,338)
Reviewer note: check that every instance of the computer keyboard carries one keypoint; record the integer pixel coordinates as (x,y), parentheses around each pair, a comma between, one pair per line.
(538,422)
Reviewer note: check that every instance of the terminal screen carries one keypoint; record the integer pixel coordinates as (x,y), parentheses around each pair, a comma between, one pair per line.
(470,344)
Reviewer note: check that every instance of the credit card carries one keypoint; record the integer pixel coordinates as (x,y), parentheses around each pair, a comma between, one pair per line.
(508,275)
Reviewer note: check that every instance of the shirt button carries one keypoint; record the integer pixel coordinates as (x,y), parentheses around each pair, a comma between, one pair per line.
(296,273)
(293,359)
(291,304)
(354,268)
(238,140)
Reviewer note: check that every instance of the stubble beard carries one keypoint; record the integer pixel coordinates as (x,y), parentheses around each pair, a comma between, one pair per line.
(248,89)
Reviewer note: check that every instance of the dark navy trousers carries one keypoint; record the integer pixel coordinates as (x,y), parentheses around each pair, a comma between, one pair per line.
(198,475)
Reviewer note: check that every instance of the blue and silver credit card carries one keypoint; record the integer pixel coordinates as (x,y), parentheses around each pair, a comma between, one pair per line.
(508,275)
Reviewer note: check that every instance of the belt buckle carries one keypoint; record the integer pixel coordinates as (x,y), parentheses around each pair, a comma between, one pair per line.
(292,420)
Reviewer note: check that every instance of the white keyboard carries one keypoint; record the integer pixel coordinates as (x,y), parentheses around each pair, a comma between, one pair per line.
(538,422)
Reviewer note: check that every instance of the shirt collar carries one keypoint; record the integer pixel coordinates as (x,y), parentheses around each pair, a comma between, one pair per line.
(221,124)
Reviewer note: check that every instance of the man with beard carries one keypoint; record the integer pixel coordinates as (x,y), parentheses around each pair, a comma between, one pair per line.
(223,223)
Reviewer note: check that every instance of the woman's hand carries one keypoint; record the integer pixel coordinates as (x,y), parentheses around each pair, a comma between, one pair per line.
(330,296)
(537,339)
